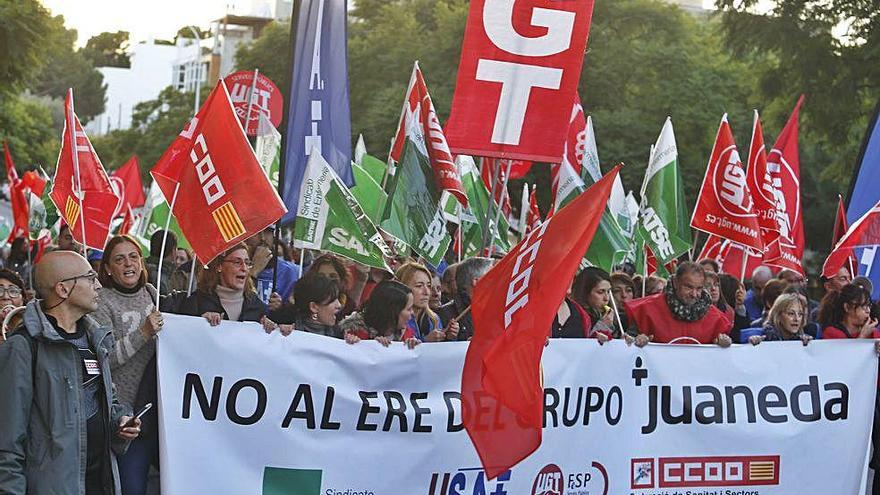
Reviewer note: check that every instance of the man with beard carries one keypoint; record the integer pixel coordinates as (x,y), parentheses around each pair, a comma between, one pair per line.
(683,313)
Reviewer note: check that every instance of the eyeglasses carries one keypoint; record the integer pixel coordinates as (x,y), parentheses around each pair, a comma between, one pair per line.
(11,291)
(91,276)
(120,260)
(794,314)
(240,263)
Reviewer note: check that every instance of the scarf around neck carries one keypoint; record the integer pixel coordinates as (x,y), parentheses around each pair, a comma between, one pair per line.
(686,312)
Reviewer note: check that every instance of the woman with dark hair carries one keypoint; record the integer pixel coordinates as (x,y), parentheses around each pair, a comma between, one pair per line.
(225,291)
(734,293)
(12,296)
(592,291)
(846,314)
(332,267)
(315,306)
(18,260)
(126,305)
(712,284)
(384,317)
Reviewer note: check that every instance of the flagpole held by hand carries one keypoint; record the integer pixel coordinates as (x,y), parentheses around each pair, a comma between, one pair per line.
(164,241)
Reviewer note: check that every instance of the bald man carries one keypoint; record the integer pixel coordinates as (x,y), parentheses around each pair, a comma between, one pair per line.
(61,422)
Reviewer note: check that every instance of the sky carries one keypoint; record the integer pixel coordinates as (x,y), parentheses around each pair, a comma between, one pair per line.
(144,20)
(153,19)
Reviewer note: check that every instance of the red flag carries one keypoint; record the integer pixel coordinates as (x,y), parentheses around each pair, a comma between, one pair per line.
(715,249)
(783,175)
(761,185)
(724,206)
(865,232)
(575,138)
(513,307)
(81,189)
(519,168)
(520,66)
(35,182)
(18,198)
(127,221)
(133,189)
(533,220)
(222,195)
(445,172)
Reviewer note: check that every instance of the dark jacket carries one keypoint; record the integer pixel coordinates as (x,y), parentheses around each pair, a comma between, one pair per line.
(199,303)
(454,308)
(43,437)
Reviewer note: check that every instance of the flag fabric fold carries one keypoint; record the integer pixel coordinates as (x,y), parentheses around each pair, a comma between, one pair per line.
(81,189)
(513,307)
(329,218)
(217,189)
(864,234)
(133,188)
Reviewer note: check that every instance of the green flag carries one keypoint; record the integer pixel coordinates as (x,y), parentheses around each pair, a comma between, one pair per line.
(268,149)
(413,212)
(155,216)
(609,246)
(476,218)
(42,214)
(663,219)
(329,218)
(375,167)
(368,193)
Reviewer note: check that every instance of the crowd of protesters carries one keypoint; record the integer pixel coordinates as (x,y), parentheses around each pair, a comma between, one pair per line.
(105,304)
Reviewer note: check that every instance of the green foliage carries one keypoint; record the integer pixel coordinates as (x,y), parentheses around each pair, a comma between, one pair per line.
(26,123)
(108,50)
(269,53)
(155,125)
(22,24)
(185,32)
(65,68)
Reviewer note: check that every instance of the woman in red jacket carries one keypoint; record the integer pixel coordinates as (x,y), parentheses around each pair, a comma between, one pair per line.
(846,314)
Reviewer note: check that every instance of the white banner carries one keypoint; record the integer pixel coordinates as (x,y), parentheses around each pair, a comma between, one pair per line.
(242,412)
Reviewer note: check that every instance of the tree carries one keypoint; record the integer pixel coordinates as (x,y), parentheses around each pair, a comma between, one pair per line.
(186,32)
(269,53)
(108,50)
(22,50)
(26,123)
(155,124)
(66,68)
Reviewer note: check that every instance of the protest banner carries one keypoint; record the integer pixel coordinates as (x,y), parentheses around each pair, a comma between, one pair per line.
(246,412)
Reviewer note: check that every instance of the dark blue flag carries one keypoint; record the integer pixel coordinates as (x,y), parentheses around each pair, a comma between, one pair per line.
(318,115)
(863,195)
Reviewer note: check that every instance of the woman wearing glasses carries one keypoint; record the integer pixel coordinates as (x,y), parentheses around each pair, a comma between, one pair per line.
(126,305)
(225,291)
(846,314)
(11,296)
(785,321)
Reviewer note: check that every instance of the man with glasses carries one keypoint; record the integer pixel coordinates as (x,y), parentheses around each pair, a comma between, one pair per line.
(61,421)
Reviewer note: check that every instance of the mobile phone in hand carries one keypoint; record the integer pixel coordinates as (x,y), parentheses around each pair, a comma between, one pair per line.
(137,416)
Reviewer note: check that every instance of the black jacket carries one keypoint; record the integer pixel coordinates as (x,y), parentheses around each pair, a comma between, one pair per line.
(454,308)
(199,303)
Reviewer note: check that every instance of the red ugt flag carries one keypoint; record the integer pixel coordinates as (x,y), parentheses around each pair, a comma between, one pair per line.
(761,185)
(865,232)
(784,174)
(724,206)
(132,188)
(445,172)
(513,307)
(81,189)
(519,71)
(222,194)
(533,220)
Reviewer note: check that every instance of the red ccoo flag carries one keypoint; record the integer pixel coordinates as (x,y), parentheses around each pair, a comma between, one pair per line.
(219,193)
(865,232)
(724,206)
(132,191)
(81,189)
(445,172)
(17,196)
(513,307)
(784,180)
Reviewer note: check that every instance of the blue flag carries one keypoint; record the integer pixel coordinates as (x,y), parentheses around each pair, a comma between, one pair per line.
(863,195)
(318,115)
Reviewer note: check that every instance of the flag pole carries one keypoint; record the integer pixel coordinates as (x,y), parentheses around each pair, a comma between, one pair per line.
(282,160)
(165,241)
(78,183)
(192,274)
(742,275)
(247,118)
(617,315)
(495,170)
(498,212)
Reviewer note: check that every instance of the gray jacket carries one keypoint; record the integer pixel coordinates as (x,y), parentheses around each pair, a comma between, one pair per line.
(42,429)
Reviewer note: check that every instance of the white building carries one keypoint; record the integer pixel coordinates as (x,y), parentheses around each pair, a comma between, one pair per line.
(149,74)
